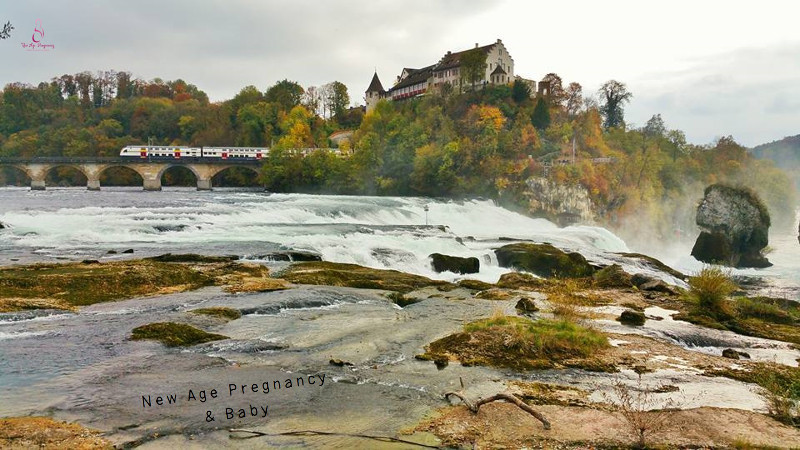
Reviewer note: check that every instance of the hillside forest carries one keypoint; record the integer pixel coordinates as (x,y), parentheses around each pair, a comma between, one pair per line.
(483,143)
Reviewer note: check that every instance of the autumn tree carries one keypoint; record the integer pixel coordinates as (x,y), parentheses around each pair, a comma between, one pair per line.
(574,99)
(613,95)
(285,93)
(473,66)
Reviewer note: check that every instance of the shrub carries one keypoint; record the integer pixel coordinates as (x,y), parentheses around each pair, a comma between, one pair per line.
(637,406)
(710,288)
(782,394)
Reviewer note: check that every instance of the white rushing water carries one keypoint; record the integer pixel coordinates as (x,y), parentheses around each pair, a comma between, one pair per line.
(381,232)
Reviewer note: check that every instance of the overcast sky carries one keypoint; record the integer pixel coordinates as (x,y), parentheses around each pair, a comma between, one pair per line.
(711,68)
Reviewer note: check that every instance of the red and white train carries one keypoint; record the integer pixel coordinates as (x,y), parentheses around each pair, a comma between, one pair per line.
(177,152)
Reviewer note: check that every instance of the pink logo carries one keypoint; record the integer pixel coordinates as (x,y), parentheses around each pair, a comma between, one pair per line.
(38,29)
(37,38)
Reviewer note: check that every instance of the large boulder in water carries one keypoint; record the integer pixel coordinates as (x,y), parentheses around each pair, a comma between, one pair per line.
(735,227)
(455,264)
(543,260)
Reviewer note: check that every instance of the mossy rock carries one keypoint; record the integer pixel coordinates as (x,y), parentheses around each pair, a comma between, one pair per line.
(520,344)
(219,311)
(655,264)
(352,275)
(526,305)
(612,277)
(493,294)
(173,334)
(519,280)
(475,285)
(34,432)
(79,284)
(192,258)
(631,317)
(455,264)
(544,260)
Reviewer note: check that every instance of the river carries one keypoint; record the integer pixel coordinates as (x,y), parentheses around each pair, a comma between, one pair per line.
(81,366)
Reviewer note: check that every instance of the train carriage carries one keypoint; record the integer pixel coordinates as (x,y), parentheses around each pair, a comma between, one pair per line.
(177,152)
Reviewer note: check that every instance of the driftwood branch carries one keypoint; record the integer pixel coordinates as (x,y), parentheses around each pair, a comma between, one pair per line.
(508,397)
(254,433)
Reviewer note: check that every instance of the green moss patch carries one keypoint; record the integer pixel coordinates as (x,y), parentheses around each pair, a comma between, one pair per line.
(79,284)
(85,284)
(544,260)
(174,334)
(522,344)
(476,285)
(612,277)
(219,311)
(764,317)
(352,275)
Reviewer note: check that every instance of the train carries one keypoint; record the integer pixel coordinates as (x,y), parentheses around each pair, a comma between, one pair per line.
(177,152)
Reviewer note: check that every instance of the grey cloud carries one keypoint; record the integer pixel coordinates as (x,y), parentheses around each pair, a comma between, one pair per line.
(751,94)
(224,46)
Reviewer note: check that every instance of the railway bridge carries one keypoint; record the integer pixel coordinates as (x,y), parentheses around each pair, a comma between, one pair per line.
(150,170)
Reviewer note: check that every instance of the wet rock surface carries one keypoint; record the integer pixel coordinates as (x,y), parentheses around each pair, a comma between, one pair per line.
(446,263)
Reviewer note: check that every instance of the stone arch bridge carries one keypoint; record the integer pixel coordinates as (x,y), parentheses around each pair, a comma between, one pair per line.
(150,170)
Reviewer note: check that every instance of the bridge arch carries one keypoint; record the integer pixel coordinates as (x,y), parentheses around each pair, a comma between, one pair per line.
(198,175)
(239,175)
(118,171)
(15,174)
(49,172)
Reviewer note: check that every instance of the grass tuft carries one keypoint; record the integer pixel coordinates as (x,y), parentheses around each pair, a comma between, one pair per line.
(710,288)
(174,334)
(219,311)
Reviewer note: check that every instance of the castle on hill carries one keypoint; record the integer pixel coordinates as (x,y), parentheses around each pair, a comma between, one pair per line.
(448,71)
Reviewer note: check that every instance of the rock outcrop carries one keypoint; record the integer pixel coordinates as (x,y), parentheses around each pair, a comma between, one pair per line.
(612,277)
(735,228)
(543,260)
(560,203)
(446,263)
(632,318)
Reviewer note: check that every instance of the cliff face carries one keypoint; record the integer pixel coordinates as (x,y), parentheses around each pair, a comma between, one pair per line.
(562,204)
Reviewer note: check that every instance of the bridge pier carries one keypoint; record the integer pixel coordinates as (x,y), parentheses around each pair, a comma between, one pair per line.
(37,185)
(152,184)
(204,184)
(93,184)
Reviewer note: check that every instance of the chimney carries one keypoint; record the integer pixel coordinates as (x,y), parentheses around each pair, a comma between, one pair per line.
(499,41)
(448,53)
(476,45)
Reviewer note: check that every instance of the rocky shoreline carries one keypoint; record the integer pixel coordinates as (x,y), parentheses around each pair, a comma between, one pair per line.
(523,335)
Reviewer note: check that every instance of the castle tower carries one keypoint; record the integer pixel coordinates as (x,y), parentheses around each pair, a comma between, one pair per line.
(374,92)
